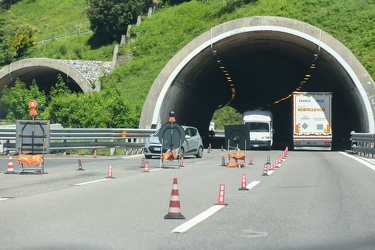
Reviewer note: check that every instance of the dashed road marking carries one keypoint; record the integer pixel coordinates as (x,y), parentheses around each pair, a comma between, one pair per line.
(252,184)
(204,215)
(270,172)
(155,169)
(90,182)
(197,219)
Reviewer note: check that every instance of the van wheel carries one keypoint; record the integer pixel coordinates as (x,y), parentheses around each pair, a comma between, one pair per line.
(200,153)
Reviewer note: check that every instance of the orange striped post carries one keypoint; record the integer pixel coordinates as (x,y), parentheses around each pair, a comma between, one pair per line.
(243,184)
(221,195)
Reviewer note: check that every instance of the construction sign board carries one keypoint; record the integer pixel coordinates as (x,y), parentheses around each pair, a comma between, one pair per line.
(32,136)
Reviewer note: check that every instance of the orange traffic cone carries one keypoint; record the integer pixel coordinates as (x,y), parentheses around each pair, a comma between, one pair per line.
(243,185)
(174,211)
(280,161)
(250,160)
(223,161)
(277,163)
(265,170)
(109,172)
(182,162)
(94,154)
(80,165)
(146,167)
(10,169)
(40,168)
(272,167)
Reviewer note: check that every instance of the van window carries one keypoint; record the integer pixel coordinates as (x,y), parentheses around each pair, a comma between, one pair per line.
(258,126)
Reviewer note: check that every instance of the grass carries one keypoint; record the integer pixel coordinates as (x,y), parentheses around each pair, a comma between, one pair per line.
(50,18)
(73,48)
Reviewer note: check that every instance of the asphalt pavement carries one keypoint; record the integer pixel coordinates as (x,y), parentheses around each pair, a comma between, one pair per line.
(313,200)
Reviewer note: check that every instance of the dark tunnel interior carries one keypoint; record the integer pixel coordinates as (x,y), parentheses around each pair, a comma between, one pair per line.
(265,67)
(44,77)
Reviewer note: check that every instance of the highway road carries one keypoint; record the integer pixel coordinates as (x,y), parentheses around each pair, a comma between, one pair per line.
(315,200)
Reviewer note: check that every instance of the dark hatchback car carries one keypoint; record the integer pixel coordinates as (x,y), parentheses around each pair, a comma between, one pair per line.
(192,145)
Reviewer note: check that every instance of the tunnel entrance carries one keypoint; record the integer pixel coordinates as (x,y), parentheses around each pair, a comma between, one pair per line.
(258,62)
(45,72)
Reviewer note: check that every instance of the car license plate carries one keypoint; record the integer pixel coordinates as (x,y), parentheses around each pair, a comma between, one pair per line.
(157,149)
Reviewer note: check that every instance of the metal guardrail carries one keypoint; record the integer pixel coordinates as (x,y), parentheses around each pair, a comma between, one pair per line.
(363,144)
(85,138)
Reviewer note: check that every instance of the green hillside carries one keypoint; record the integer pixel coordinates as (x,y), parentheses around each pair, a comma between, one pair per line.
(50,18)
(352,22)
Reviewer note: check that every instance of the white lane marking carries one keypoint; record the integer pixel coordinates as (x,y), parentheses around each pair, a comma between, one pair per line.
(252,184)
(199,218)
(3,199)
(270,172)
(360,160)
(155,169)
(204,215)
(89,182)
(131,156)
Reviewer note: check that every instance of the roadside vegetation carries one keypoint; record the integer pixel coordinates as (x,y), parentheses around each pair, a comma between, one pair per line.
(156,40)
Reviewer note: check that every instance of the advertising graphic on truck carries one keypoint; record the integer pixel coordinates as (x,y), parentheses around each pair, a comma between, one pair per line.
(261,130)
(312,120)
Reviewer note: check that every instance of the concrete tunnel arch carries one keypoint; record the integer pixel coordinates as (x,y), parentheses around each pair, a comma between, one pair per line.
(44,71)
(268,57)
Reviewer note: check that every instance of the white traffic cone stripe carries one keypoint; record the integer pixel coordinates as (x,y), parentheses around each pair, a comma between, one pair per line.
(174,210)
(175,198)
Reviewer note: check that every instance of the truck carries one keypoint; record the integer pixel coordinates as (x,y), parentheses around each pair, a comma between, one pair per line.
(312,120)
(260,126)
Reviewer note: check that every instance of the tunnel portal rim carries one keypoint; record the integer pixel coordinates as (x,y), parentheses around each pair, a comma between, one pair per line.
(48,63)
(155,121)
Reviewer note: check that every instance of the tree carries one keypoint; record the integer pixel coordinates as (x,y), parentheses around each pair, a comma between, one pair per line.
(16,100)
(106,109)
(123,112)
(5,4)
(110,19)
(23,39)
(226,116)
(6,54)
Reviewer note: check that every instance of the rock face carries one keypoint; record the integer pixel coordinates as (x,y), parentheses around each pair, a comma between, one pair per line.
(91,70)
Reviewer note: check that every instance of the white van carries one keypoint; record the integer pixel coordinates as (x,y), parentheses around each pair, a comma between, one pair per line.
(261,128)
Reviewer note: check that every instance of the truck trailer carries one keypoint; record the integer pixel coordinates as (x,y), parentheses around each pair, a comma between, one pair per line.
(312,120)
(261,128)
